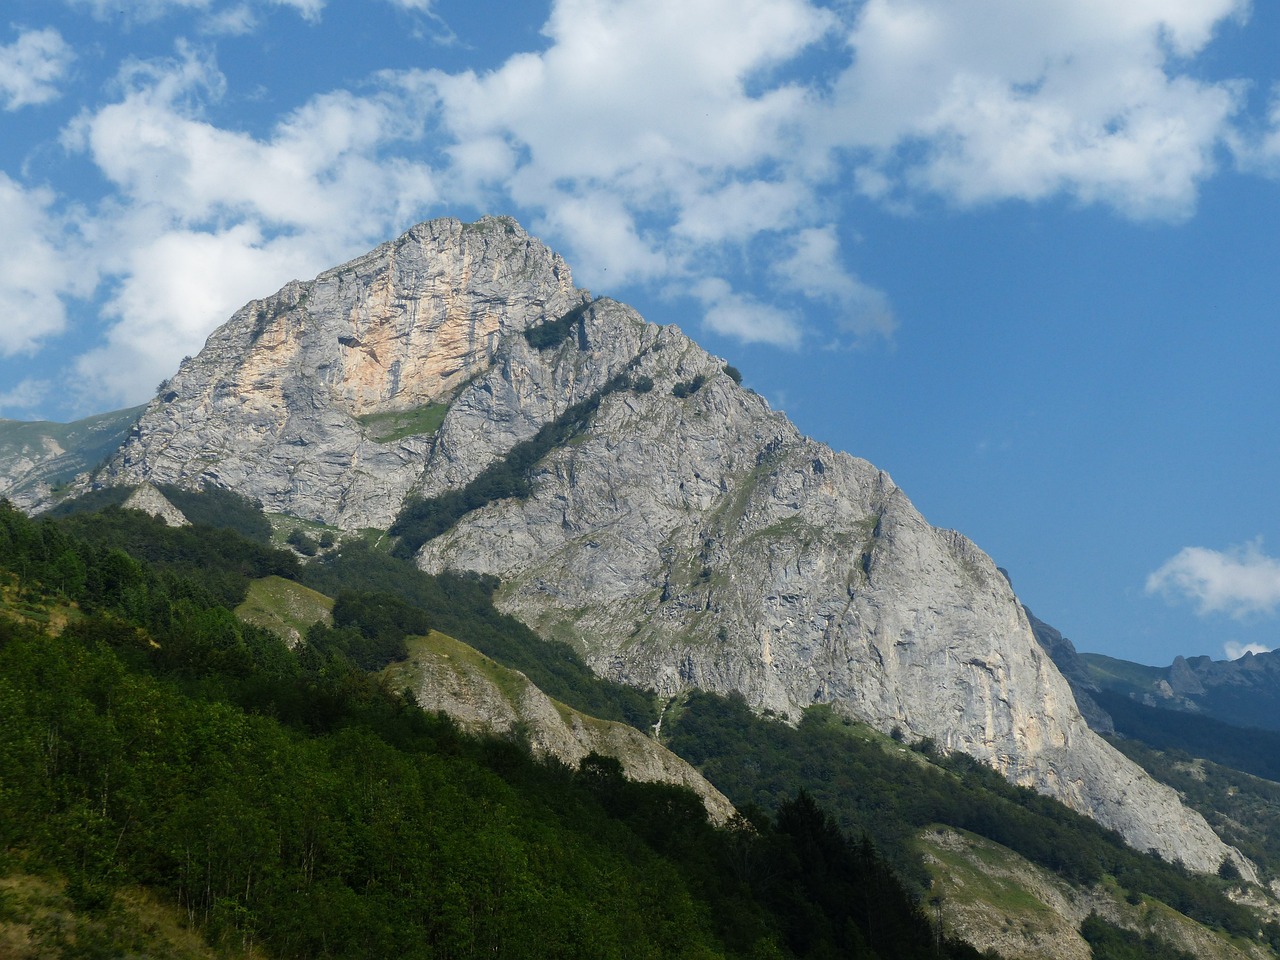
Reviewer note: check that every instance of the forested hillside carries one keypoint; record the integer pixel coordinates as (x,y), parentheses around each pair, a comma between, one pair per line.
(287,805)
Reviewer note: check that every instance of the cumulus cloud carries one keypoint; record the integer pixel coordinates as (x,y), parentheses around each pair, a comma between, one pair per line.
(1235,650)
(32,66)
(36,270)
(1241,581)
(813,266)
(26,395)
(1002,99)
(693,127)
(307,9)
(691,145)
(137,10)
(647,114)
(232,21)
(740,315)
(204,218)
(233,18)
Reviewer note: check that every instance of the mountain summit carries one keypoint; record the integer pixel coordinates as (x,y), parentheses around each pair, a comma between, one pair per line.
(635,500)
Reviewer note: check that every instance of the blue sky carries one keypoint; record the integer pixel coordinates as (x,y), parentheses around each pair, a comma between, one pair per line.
(1020,255)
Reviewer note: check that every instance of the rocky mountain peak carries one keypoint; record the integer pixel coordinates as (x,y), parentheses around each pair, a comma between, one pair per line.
(635,500)
(291,398)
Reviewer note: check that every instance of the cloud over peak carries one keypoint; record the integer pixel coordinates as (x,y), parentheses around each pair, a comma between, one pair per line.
(715,148)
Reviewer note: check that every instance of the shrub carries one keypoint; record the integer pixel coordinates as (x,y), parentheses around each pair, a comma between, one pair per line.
(301,541)
(687,388)
(552,333)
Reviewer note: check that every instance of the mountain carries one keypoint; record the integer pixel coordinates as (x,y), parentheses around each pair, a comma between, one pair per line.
(1074,670)
(1244,692)
(635,501)
(38,458)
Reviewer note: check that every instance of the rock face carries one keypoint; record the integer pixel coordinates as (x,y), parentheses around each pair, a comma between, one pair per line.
(272,406)
(687,536)
(483,696)
(1074,670)
(151,501)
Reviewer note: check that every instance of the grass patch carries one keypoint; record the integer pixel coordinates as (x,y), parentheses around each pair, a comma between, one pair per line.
(982,873)
(397,424)
(465,661)
(284,607)
(1121,674)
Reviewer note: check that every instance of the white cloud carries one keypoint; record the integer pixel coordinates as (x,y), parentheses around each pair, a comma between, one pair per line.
(307,9)
(1240,581)
(26,395)
(35,268)
(1258,151)
(739,315)
(233,19)
(813,267)
(681,143)
(640,137)
(173,291)
(1002,99)
(1235,650)
(32,66)
(137,10)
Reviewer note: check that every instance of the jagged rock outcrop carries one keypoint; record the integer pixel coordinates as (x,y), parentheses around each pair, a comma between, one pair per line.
(684,535)
(273,405)
(485,697)
(151,501)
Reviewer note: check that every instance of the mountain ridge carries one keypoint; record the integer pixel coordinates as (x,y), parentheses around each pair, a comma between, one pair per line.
(686,537)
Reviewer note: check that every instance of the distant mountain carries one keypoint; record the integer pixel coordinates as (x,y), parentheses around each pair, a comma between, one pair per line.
(38,459)
(1244,692)
(454,387)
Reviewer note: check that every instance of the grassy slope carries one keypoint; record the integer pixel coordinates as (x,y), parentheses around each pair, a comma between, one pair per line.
(998,900)
(1122,675)
(284,607)
(40,918)
(399,424)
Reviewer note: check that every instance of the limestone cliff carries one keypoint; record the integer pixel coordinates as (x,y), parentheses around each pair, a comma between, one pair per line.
(277,403)
(685,536)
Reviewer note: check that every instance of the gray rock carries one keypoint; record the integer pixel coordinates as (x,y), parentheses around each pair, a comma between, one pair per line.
(151,501)
(703,542)
(1074,670)
(272,405)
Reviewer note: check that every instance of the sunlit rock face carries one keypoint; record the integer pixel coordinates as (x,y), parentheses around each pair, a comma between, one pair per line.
(271,406)
(688,537)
